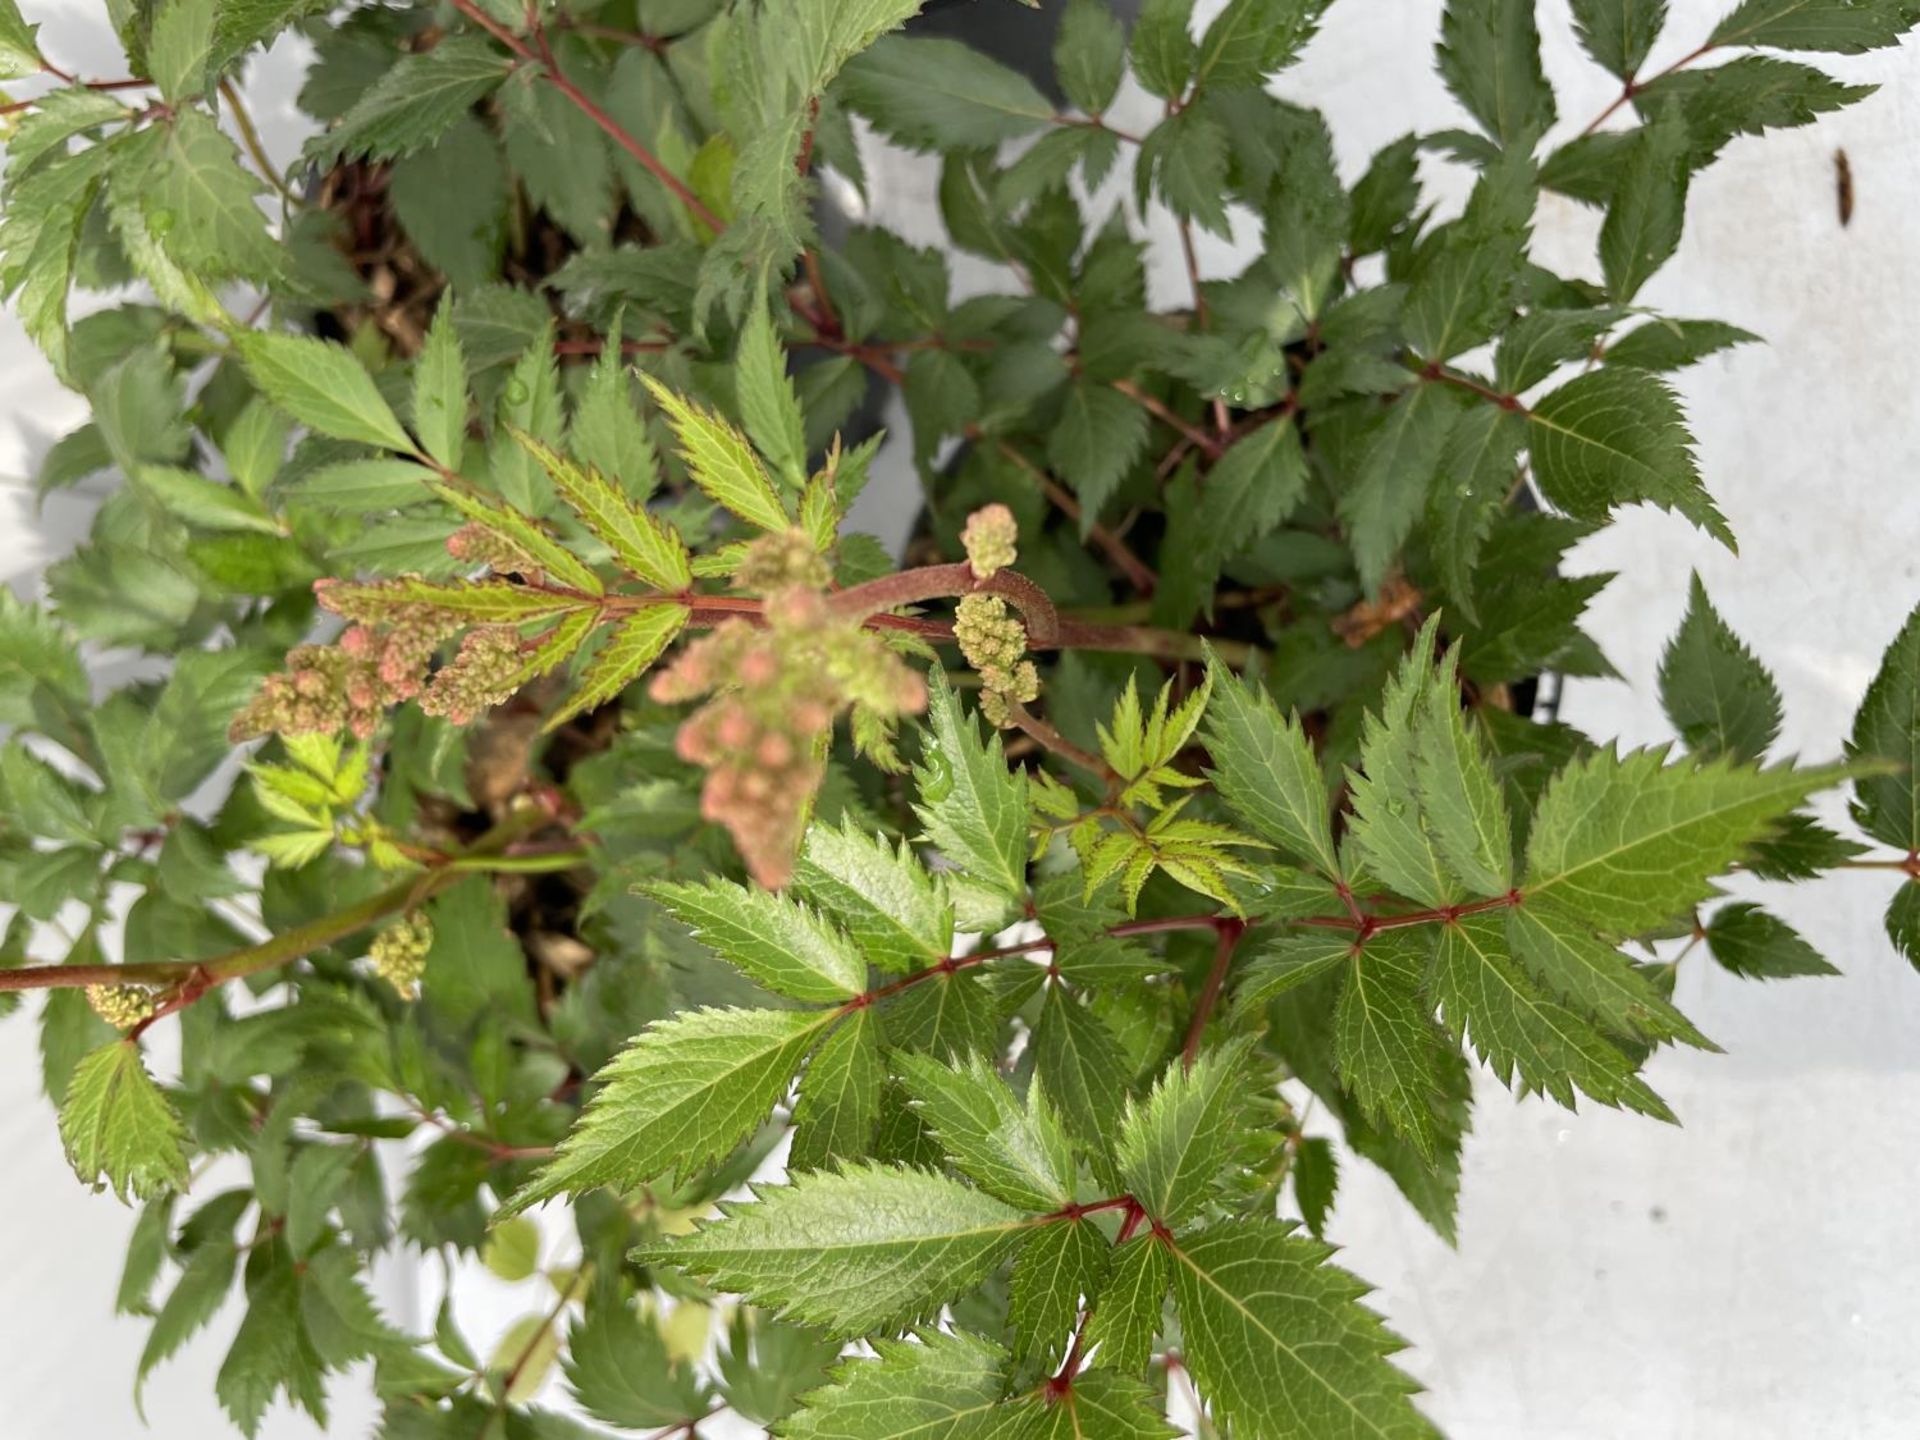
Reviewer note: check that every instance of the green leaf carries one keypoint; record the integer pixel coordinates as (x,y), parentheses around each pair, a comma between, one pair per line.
(323,386)
(769,937)
(767,400)
(1265,769)
(643,545)
(1316,1178)
(120,1130)
(19,44)
(884,898)
(1649,206)
(1845,27)
(1126,1313)
(1099,434)
(1477,472)
(1485,997)
(1489,56)
(472,602)
(1800,848)
(1016,1152)
(1090,54)
(43,685)
(1564,955)
(415,102)
(1619,33)
(1663,345)
(1715,691)
(1063,1262)
(197,1296)
(1178,1144)
(619,1370)
(939,1386)
(971,806)
(1903,921)
(867,1248)
(1389,492)
(40,231)
(1887,727)
(636,642)
(205,503)
(840,1097)
(937,94)
(1389,828)
(1078,1058)
(1541,341)
(1629,843)
(686,1091)
(1278,1343)
(608,433)
(1755,945)
(1250,39)
(1615,436)
(1459,797)
(720,461)
(1385,1044)
(1250,489)
(440,390)
(271,1352)
(1162,49)
(1291,961)
(179,48)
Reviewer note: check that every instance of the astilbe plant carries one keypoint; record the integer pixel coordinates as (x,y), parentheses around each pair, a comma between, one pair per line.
(627,818)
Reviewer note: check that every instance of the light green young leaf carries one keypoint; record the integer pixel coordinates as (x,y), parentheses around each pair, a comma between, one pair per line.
(767,400)
(1265,769)
(1715,691)
(1566,957)
(720,461)
(524,535)
(120,1130)
(867,1248)
(1755,945)
(440,389)
(1619,33)
(686,1091)
(1385,1044)
(19,44)
(883,897)
(643,545)
(1629,843)
(770,937)
(1489,56)
(1887,727)
(1485,998)
(972,807)
(937,94)
(636,642)
(939,1386)
(1177,1144)
(1016,1152)
(322,386)
(1615,436)
(839,1100)
(1278,1342)
(479,602)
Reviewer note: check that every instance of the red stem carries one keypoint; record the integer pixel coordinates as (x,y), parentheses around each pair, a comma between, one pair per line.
(1634,87)
(1230,932)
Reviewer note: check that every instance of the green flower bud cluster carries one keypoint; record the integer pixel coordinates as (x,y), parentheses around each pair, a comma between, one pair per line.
(989,539)
(782,562)
(994,641)
(484,674)
(123,1006)
(399,952)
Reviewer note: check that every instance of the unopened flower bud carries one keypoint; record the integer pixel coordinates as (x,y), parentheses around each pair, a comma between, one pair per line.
(122,1006)
(399,952)
(781,562)
(989,538)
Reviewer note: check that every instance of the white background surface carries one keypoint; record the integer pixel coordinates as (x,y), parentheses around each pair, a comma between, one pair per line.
(1753,1275)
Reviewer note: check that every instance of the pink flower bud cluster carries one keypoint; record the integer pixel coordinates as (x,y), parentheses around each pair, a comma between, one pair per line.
(776,691)
(994,641)
(348,685)
(484,674)
(782,562)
